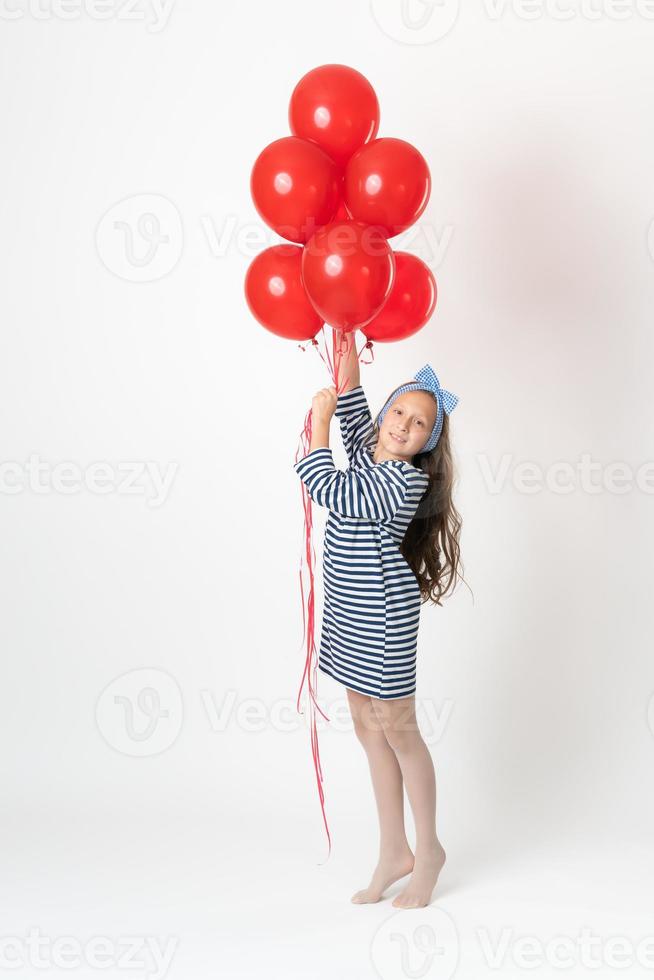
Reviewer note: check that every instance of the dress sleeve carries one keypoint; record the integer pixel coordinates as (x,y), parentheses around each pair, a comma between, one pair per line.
(353,413)
(374,494)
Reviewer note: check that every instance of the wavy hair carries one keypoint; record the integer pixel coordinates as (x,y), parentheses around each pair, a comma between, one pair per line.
(431,544)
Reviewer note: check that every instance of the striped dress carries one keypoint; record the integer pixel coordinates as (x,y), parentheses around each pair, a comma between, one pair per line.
(372,599)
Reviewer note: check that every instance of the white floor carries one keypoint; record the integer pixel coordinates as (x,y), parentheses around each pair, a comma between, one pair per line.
(195,898)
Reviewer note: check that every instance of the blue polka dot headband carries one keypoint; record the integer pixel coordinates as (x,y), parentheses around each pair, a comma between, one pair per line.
(426,380)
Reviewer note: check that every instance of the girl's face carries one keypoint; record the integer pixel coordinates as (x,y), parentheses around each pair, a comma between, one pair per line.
(407,424)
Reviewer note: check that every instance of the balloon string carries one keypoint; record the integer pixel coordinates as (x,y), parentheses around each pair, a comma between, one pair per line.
(368,344)
(308,635)
(308,560)
(340,349)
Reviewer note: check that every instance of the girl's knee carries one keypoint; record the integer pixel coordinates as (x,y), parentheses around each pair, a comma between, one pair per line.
(402,740)
(398,720)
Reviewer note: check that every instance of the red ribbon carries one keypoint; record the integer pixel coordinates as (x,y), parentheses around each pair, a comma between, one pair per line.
(308,559)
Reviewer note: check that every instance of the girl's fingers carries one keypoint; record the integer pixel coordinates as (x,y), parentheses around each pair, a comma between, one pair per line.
(327,392)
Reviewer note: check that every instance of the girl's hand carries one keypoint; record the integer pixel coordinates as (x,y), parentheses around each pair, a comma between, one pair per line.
(323,404)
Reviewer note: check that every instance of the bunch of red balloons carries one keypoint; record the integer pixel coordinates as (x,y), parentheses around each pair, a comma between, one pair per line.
(340,194)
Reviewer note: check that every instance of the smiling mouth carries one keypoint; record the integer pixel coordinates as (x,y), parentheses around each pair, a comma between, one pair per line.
(397,438)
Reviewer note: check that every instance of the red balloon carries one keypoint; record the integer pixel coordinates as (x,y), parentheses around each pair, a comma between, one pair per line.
(410,304)
(295,187)
(387,183)
(337,108)
(347,271)
(276,296)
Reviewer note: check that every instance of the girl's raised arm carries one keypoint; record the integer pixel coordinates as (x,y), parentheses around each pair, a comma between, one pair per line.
(348,370)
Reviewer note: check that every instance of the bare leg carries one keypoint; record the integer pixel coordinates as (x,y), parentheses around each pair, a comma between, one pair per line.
(395,855)
(398,718)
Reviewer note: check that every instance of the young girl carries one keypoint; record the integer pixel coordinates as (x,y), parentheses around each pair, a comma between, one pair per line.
(391,542)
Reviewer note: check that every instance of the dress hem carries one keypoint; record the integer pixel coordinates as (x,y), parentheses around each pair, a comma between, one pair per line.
(358,690)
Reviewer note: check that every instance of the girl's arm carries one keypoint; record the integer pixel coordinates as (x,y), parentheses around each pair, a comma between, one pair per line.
(349,366)
(374,494)
(353,413)
(319,435)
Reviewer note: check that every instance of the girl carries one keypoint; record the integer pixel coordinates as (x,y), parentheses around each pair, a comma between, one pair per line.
(383,556)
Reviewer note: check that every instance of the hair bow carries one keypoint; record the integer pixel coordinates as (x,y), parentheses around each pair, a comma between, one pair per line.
(427,380)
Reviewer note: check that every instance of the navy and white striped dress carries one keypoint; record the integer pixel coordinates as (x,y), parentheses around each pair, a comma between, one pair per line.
(372,598)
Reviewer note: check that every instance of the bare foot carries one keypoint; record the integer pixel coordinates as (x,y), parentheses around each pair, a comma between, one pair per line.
(388,870)
(422,882)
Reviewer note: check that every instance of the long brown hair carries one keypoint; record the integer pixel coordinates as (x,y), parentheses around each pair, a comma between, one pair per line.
(431,543)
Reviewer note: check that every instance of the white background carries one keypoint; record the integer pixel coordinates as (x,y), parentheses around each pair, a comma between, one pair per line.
(533,691)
